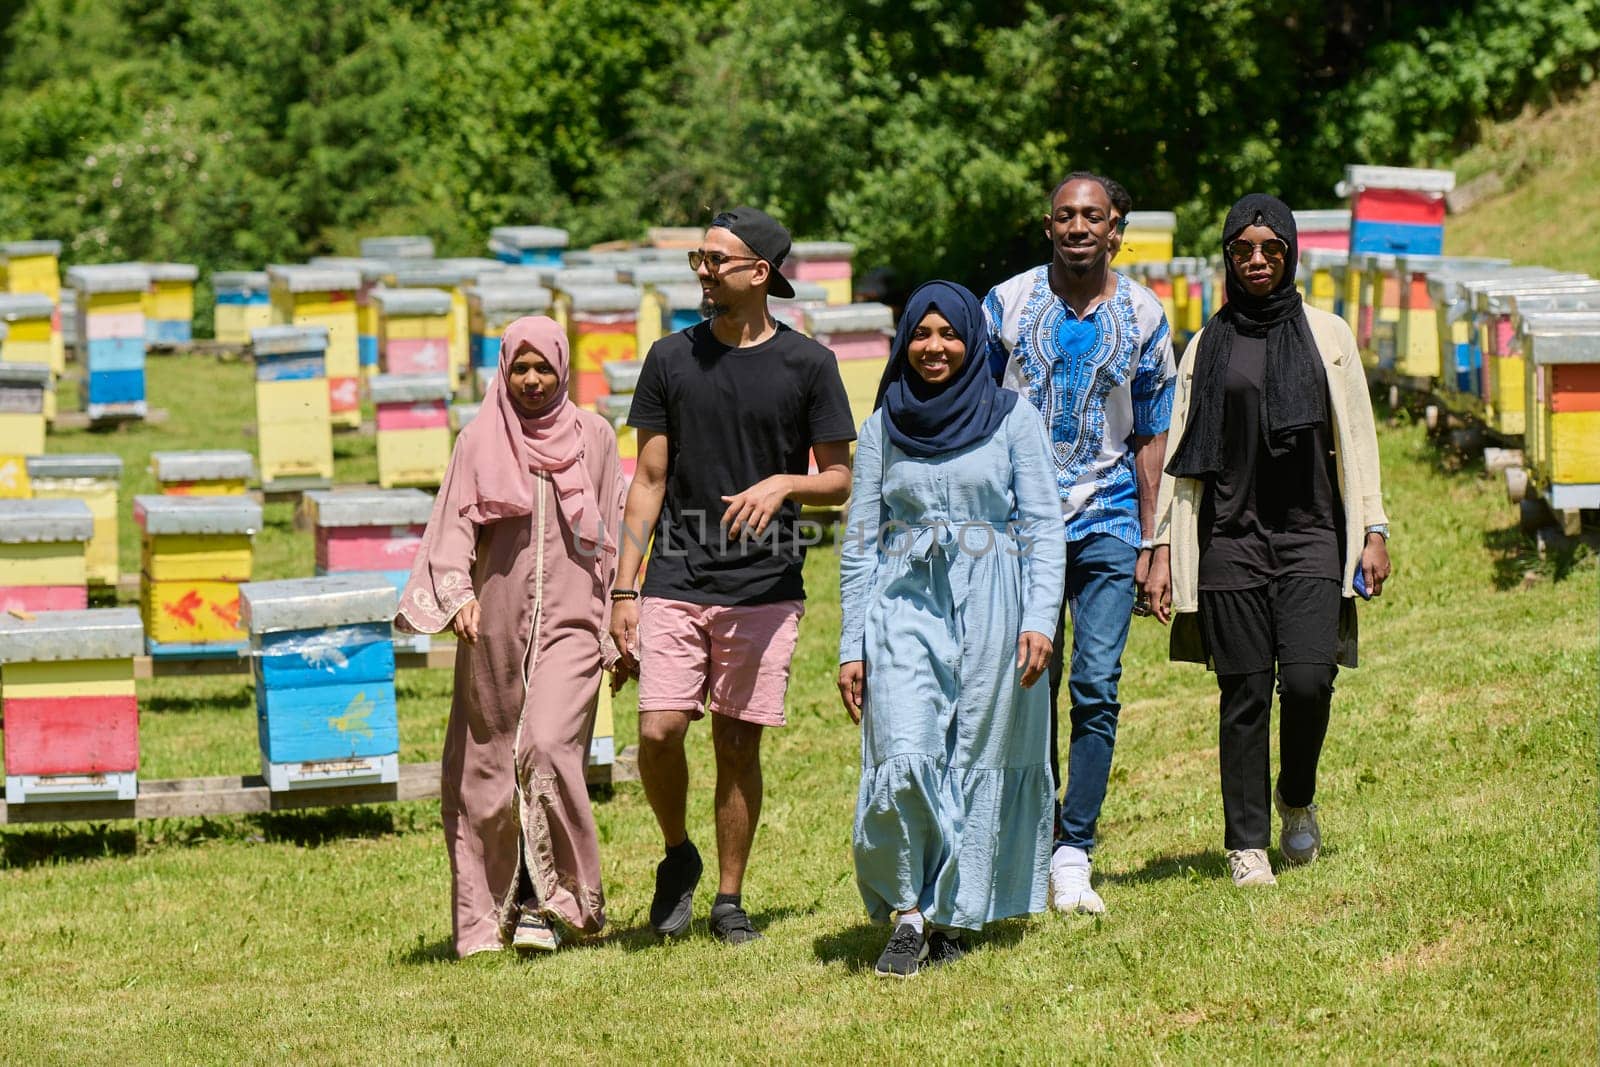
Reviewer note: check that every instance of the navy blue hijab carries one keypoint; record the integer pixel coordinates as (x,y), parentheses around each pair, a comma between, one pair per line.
(931,420)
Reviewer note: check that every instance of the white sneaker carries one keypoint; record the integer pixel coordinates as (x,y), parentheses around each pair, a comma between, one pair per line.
(535,932)
(1070,891)
(1250,867)
(1300,838)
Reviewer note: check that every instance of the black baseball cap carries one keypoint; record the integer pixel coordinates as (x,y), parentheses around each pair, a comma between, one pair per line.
(766,237)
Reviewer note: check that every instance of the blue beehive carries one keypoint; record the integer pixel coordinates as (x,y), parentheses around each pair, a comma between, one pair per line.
(323,665)
(542,245)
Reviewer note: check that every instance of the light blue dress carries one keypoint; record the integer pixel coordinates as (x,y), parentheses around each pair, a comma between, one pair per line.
(946,560)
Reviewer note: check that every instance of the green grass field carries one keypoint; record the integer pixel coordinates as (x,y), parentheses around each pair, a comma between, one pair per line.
(1452,916)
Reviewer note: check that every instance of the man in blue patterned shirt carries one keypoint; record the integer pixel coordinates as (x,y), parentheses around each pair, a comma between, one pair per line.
(1090,348)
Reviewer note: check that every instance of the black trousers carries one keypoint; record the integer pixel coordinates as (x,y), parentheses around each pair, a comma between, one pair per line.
(1287,630)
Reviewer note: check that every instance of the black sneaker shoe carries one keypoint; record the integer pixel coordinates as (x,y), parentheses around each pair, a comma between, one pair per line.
(905,950)
(944,948)
(672,907)
(729,923)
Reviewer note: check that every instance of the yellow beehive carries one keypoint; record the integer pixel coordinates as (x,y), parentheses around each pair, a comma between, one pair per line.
(326,297)
(828,264)
(294,434)
(496,304)
(42,555)
(93,479)
(169,303)
(195,551)
(413,429)
(1148,237)
(451,279)
(243,304)
(35,267)
(1316,266)
(1504,372)
(562,280)
(208,472)
(23,389)
(656,280)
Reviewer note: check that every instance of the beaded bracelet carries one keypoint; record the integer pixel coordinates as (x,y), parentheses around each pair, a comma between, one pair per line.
(624,594)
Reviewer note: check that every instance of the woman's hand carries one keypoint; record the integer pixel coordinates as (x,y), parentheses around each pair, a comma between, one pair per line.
(1375,563)
(1158,584)
(1033,656)
(853,687)
(465,622)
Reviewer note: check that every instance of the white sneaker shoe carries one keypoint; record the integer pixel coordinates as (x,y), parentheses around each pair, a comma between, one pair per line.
(1070,891)
(535,933)
(1300,838)
(1250,867)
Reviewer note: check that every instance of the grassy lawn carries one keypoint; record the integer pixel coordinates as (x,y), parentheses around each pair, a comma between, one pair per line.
(1452,916)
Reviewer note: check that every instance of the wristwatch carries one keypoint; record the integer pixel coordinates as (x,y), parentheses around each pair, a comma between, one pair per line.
(1381,529)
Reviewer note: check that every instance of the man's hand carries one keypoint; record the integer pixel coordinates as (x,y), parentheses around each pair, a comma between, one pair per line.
(625,635)
(853,687)
(1033,656)
(1375,563)
(1157,584)
(465,622)
(752,510)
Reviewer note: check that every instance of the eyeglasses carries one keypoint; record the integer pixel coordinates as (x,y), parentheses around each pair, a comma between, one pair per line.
(715,260)
(1272,249)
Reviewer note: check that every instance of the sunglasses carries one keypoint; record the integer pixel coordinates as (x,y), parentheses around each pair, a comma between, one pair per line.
(1272,249)
(715,260)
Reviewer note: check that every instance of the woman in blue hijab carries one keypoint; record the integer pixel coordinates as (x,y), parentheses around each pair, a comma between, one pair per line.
(950,583)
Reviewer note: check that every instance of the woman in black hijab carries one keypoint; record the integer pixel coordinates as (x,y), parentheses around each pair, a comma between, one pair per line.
(1270,521)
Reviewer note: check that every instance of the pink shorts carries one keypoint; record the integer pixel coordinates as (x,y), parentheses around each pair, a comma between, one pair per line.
(738,656)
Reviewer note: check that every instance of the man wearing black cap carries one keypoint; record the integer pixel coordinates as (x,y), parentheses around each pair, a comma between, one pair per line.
(728,413)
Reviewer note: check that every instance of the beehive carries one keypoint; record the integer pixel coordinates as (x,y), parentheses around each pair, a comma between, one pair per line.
(24,388)
(42,564)
(323,667)
(828,263)
(414,328)
(791,311)
(1324,229)
(1157,277)
(1318,281)
(326,296)
(71,713)
(1459,359)
(1147,238)
(1396,210)
(243,304)
(203,472)
(35,267)
(169,303)
(110,331)
(371,531)
(492,307)
(294,432)
(1417,348)
(562,280)
(94,479)
(194,553)
(859,336)
(402,247)
(540,245)
(674,238)
(413,429)
(463,413)
(1502,377)
(371,273)
(29,319)
(1190,297)
(660,285)
(1380,308)
(615,407)
(1562,441)
(604,329)
(434,274)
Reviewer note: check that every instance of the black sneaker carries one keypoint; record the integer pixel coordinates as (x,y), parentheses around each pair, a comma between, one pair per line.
(944,948)
(729,923)
(905,950)
(672,907)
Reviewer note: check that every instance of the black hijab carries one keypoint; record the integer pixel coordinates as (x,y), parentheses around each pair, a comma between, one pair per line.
(931,420)
(1293,386)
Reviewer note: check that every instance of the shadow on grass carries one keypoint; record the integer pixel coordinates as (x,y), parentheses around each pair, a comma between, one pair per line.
(858,946)
(1211,863)
(310,829)
(1517,561)
(425,953)
(61,844)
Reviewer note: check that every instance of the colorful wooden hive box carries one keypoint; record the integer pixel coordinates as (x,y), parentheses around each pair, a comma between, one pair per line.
(1562,442)
(95,479)
(323,666)
(1191,296)
(604,328)
(1148,237)
(1396,209)
(448,279)
(1327,228)
(42,555)
(858,335)
(111,338)
(621,380)
(561,281)
(656,282)
(462,413)
(203,472)
(371,273)
(414,328)
(195,551)
(169,303)
(371,531)
(792,311)
(32,331)
(35,267)
(1416,332)
(828,263)
(1502,379)
(404,246)
(71,714)
(243,303)
(24,396)
(413,428)
(491,307)
(1380,308)
(1321,272)
(541,245)
(325,296)
(1452,313)
(294,434)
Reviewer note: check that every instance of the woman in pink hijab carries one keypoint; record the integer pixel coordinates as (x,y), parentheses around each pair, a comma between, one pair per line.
(518,557)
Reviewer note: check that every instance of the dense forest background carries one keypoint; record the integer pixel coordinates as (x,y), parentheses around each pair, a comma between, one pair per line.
(233,133)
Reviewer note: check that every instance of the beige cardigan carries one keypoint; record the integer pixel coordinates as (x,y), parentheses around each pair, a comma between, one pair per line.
(1355,453)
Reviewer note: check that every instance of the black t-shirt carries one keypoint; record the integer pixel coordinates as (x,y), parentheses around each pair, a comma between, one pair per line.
(1266,517)
(732,417)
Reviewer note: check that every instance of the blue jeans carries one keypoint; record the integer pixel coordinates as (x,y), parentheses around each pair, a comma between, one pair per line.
(1099,597)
